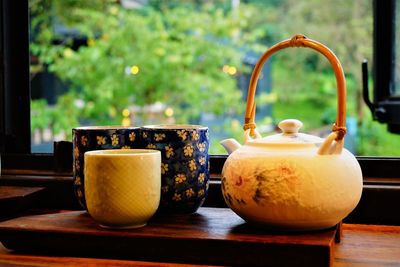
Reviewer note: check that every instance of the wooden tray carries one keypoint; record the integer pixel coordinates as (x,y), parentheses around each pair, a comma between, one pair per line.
(15,199)
(210,236)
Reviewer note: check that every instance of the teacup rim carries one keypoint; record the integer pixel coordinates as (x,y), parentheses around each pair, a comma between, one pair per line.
(107,127)
(173,127)
(122,152)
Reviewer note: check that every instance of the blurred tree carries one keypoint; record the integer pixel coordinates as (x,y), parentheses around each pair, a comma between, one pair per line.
(345,27)
(174,52)
(142,56)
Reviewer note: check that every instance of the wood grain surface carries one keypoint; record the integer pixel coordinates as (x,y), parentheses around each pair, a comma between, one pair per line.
(368,245)
(14,199)
(210,236)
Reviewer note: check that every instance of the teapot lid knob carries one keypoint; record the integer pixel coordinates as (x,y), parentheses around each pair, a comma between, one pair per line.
(290,126)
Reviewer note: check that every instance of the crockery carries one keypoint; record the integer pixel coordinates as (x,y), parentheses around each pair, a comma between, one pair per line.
(97,138)
(291,180)
(185,164)
(122,187)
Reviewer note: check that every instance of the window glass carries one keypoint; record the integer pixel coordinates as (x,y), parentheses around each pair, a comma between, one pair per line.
(100,62)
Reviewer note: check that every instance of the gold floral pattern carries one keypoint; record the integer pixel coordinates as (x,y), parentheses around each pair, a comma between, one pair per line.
(201,147)
(77,165)
(76,152)
(202,177)
(84,140)
(192,165)
(114,140)
(159,137)
(165,189)
(101,140)
(182,134)
(189,192)
(126,147)
(188,150)
(79,193)
(195,135)
(164,168)
(180,178)
(200,193)
(169,151)
(151,146)
(78,181)
(183,167)
(177,197)
(132,137)
(202,160)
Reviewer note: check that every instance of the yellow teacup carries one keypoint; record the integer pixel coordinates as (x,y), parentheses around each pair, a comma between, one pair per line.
(122,186)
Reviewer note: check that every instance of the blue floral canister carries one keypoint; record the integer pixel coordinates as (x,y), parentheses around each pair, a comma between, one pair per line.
(185,164)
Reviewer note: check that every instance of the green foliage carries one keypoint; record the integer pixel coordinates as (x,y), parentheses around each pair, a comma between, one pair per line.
(173,52)
(374,139)
(44,116)
(178,56)
(345,27)
(40,115)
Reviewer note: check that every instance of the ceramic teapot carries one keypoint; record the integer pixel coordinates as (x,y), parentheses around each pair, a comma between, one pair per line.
(291,180)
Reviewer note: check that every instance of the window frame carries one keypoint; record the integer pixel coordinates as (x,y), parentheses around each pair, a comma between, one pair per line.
(384,18)
(15,80)
(54,171)
(15,103)
(385,107)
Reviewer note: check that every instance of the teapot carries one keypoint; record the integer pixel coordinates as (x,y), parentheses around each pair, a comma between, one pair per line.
(292,181)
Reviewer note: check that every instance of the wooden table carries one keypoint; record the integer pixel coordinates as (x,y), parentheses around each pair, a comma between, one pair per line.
(360,245)
(368,245)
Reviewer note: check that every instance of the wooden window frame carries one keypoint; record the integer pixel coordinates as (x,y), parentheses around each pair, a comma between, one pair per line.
(385,106)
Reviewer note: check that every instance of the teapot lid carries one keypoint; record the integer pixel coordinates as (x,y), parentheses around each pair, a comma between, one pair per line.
(290,135)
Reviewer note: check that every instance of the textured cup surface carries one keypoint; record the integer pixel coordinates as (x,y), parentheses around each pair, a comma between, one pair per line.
(185,164)
(122,187)
(97,138)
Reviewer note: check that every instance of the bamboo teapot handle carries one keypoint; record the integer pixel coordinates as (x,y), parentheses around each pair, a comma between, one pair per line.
(299,40)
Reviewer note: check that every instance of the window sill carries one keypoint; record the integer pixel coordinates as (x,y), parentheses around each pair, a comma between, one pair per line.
(366,245)
(377,204)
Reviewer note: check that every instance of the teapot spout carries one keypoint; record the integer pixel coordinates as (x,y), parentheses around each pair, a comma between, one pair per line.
(230,145)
